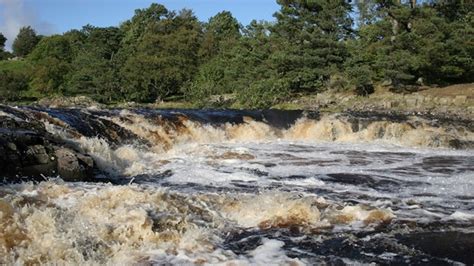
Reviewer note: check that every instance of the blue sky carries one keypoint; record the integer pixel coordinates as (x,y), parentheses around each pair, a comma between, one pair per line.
(57,16)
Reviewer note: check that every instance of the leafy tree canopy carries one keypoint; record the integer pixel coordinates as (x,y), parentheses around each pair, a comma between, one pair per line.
(25,41)
(313,45)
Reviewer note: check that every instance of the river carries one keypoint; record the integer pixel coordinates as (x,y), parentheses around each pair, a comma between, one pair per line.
(217,187)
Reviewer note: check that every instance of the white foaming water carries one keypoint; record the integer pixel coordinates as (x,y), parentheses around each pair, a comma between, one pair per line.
(238,194)
(9,115)
(55,222)
(219,157)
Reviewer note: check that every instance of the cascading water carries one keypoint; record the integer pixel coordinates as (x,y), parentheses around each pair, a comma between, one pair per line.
(247,187)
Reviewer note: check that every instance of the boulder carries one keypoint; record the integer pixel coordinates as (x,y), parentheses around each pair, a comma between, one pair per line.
(73,166)
(29,152)
(460,100)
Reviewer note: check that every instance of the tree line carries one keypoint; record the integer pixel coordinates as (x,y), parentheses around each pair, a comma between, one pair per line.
(312,46)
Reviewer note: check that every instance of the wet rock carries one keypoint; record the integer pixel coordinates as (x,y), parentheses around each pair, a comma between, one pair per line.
(37,154)
(29,152)
(454,245)
(73,166)
(11,146)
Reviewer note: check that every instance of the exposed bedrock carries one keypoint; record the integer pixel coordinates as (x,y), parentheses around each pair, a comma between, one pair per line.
(29,152)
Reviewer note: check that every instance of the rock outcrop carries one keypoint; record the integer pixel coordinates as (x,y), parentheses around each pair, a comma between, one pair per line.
(74,166)
(456,100)
(29,152)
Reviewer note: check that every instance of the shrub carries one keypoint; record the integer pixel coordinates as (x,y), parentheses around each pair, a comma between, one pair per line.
(12,85)
(264,93)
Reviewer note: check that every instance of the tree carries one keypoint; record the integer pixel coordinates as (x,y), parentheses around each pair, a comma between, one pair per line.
(135,28)
(25,42)
(55,46)
(446,40)
(365,12)
(3,54)
(221,32)
(165,59)
(12,84)
(76,39)
(3,40)
(310,35)
(52,62)
(95,66)
(411,42)
(244,69)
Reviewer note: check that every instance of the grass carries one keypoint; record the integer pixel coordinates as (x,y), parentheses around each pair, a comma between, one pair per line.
(287,106)
(14,66)
(174,105)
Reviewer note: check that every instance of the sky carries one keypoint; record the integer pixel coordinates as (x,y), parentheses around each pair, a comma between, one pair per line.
(57,16)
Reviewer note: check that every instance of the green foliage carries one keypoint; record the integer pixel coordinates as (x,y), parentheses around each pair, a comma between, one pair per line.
(225,73)
(165,59)
(56,46)
(12,85)
(52,61)
(409,45)
(264,93)
(447,49)
(339,82)
(236,67)
(4,55)
(15,66)
(95,67)
(49,76)
(25,42)
(212,79)
(76,39)
(312,46)
(135,28)
(220,33)
(3,39)
(310,37)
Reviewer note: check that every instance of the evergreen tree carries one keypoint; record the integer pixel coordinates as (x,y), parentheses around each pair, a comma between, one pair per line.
(412,43)
(310,35)
(3,40)
(135,28)
(221,32)
(3,54)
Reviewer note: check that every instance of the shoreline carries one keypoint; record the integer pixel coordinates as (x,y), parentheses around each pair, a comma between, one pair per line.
(453,102)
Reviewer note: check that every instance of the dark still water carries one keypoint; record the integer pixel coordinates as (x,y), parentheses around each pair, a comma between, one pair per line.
(247,188)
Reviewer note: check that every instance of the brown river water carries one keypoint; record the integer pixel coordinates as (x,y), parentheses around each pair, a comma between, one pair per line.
(217,187)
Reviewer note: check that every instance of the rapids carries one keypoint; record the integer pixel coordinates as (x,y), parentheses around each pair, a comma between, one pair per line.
(247,187)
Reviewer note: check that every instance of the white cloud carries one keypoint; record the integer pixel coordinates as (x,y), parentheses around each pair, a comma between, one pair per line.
(15,14)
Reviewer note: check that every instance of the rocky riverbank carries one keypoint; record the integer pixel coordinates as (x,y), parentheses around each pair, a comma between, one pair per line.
(29,152)
(452,101)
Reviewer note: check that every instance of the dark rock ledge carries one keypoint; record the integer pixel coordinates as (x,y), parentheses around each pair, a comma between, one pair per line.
(29,152)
